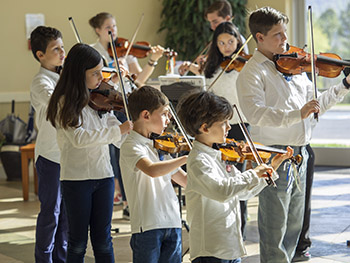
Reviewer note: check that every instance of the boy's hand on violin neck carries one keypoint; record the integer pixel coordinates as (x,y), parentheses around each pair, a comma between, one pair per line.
(126,127)
(279,158)
(157,53)
(312,106)
(262,170)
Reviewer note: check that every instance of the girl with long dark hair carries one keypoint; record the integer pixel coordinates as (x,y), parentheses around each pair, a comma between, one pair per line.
(83,137)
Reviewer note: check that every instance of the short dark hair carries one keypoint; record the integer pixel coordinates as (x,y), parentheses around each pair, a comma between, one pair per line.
(223,8)
(202,107)
(145,98)
(41,37)
(71,94)
(263,19)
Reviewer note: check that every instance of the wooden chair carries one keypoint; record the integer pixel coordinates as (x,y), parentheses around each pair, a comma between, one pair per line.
(27,153)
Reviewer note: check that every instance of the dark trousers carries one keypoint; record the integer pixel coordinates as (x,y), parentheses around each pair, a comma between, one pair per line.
(115,156)
(236,133)
(304,242)
(114,152)
(52,227)
(89,204)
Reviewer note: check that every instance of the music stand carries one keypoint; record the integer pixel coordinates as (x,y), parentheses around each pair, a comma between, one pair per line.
(175,91)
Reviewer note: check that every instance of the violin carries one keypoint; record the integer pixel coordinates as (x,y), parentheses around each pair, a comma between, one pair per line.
(171,143)
(140,49)
(296,61)
(237,64)
(232,152)
(107,74)
(105,98)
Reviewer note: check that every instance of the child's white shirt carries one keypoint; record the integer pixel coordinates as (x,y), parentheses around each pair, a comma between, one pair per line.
(42,87)
(84,150)
(152,201)
(212,203)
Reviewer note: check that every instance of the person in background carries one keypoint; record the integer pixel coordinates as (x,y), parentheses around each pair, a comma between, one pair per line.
(51,233)
(217,13)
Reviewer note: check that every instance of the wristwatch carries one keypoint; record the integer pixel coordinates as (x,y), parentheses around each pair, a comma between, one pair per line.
(152,63)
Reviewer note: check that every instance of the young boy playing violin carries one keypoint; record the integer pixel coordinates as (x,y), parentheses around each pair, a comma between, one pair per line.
(213,191)
(52,226)
(154,207)
(279,110)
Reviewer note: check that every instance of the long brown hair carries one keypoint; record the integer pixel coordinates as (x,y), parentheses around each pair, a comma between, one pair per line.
(71,94)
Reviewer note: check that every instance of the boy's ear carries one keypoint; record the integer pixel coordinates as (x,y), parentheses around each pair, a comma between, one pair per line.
(145,114)
(40,54)
(204,128)
(260,37)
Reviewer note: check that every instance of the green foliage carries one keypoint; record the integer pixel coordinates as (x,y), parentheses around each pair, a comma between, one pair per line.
(187,30)
(332,34)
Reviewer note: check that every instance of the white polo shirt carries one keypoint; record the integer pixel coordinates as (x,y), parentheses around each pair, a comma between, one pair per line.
(212,202)
(41,90)
(152,202)
(84,150)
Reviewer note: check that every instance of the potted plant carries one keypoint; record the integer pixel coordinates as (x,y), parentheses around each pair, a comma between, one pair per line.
(187,31)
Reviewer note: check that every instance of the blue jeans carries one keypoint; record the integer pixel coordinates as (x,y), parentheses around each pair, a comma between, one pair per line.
(158,245)
(51,233)
(280,215)
(215,260)
(89,203)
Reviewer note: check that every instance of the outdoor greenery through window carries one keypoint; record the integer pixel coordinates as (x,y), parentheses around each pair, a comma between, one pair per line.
(331,26)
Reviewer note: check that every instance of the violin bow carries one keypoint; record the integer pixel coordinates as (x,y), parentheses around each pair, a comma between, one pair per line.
(200,54)
(252,146)
(233,58)
(134,36)
(179,124)
(75,31)
(117,67)
(313,64)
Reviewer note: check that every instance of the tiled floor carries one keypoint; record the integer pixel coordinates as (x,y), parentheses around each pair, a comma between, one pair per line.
(329,231)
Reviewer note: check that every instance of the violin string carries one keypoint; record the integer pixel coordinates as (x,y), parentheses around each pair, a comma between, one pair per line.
(179,124)
(119,75)
(233,58)
(134,36)
(313,64)
(75,31)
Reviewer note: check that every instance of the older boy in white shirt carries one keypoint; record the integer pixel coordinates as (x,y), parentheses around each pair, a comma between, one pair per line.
(279,109)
